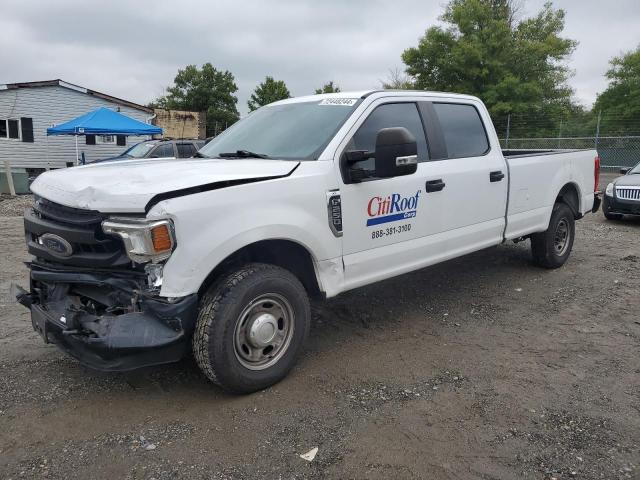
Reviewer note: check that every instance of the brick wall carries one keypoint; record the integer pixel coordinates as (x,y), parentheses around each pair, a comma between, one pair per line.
(179,124)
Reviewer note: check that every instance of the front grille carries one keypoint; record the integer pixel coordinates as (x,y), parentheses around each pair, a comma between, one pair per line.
(64,214)
(82,229)
(628,193)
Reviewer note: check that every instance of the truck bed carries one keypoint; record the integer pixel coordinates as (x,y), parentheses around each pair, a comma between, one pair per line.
(536,177)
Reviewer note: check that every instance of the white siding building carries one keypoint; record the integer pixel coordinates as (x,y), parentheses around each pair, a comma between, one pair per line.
(28,109)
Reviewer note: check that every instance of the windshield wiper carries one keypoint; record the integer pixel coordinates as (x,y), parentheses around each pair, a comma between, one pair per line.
(242,154)
(199,155)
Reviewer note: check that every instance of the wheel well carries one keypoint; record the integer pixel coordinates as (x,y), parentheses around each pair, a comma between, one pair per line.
(569,195)
(284,253)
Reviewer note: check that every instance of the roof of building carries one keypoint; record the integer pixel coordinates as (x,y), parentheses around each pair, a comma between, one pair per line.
(77,88)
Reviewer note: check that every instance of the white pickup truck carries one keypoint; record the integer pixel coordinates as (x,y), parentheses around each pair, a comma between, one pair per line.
(142,262)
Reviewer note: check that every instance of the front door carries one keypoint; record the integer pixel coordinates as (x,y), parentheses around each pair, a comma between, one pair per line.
(383,216)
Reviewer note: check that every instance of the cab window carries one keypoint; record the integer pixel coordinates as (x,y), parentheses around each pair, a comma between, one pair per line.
(185,150)
(162,151)
(386,116)
(463,130)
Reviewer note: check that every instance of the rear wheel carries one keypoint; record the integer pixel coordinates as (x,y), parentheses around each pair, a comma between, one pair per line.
(251,327)
(551,248)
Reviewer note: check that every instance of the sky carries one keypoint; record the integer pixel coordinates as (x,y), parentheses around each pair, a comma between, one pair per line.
(133,50)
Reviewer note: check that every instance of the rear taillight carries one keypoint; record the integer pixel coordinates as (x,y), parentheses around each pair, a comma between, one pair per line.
(596,173)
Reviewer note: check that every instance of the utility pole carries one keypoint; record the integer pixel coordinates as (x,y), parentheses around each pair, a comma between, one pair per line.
(598,128)
(506,144)
(9,175)
(559,133)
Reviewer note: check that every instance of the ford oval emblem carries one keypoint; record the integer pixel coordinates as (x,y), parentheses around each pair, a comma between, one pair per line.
(56,245)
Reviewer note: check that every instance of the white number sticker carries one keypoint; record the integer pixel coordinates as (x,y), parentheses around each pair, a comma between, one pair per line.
(340,102)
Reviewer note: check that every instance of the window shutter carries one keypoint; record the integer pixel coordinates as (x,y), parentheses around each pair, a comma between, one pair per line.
(13,128)
(27,129)
(121,140)
(90,139)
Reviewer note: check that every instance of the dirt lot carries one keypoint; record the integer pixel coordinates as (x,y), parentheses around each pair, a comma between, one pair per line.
(484,367)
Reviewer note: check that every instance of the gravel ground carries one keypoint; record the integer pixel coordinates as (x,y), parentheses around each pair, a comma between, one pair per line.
(14,206)
(481,367)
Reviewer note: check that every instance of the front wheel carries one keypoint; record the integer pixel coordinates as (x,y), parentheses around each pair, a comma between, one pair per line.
(251,327)
(551,248)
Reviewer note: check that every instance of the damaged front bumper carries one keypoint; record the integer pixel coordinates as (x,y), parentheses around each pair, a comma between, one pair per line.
(108,321)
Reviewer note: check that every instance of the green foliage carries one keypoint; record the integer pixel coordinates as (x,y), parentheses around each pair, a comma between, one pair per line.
(514,67)
(207,89)
(267,92)
(328,88)
(620,102)
(398,80)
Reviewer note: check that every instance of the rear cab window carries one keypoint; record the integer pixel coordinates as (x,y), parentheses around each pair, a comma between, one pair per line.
(463,130)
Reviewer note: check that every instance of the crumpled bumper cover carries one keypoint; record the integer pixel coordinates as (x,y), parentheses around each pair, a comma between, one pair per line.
(617,205)
(159,332)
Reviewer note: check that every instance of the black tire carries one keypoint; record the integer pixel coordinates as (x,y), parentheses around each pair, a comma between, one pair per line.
(612,216)
(547,249)
(228,311)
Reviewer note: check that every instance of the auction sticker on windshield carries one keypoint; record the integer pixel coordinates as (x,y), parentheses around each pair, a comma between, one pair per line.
(339,102)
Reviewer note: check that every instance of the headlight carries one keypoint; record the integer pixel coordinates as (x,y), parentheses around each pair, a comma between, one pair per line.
(609,190)
(144,240)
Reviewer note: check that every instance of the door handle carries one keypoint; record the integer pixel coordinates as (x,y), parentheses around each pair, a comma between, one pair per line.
(434,185)
(496,176)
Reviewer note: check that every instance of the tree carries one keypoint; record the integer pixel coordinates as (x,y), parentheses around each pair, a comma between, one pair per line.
(398,80)
(267,92)
(328,88)
(620,102)
(515,66)
(207,89)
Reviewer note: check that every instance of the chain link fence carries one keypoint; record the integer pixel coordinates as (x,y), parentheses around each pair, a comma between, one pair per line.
(616,138)
(615,152)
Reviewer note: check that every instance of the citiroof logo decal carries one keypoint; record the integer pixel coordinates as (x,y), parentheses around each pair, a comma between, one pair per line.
(391,208)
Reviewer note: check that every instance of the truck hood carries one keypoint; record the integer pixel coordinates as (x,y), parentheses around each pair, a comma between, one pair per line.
(128,186)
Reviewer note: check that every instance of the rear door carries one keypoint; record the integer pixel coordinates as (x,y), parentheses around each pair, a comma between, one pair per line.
(473,172)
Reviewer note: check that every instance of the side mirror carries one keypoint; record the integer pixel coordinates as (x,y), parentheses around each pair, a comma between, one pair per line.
(625,170)
(396,153)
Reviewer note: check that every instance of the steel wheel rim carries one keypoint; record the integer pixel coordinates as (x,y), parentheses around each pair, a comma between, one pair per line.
(263,331)
(561,237)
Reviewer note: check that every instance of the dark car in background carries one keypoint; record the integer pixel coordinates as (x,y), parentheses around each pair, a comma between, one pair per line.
(622,196)
(182,148)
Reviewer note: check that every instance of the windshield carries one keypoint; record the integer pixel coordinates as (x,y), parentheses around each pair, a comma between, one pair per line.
(635,169)
(139,150)
(293,131)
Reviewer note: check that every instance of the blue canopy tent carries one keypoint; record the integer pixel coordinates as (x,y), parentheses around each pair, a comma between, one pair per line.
(103,121)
